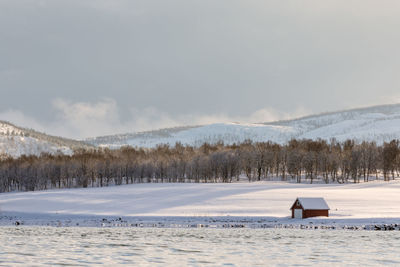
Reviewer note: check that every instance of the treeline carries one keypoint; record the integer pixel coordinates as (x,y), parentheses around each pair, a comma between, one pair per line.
(299,160)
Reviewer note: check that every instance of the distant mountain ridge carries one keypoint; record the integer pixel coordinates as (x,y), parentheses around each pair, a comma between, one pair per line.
(121,139)
(16,141)
(376,123)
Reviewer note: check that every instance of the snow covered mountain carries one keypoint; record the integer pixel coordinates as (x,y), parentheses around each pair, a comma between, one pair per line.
(16,141)
(378,123)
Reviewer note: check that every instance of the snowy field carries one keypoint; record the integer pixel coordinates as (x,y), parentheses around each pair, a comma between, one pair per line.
(373,202)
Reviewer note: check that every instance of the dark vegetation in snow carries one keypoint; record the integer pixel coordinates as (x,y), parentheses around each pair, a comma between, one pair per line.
(299,159)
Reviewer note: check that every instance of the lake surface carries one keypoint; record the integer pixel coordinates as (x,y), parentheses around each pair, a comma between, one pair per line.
(78,246)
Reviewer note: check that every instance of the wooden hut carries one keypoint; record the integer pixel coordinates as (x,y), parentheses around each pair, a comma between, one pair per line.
(306,207)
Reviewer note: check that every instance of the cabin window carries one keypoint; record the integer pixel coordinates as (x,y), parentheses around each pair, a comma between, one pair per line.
(297,203)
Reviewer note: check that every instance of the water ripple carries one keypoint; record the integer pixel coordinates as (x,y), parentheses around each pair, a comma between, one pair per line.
(50,246)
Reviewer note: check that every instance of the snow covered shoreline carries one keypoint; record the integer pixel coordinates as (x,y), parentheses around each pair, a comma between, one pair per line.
(251,205)
(8,219)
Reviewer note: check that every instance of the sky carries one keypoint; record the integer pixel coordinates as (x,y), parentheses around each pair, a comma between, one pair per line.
(83,68)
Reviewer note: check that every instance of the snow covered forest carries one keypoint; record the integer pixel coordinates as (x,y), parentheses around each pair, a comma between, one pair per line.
(17,141)
(297,161)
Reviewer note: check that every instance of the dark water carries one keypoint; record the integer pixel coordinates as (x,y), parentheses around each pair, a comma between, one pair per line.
(52,246)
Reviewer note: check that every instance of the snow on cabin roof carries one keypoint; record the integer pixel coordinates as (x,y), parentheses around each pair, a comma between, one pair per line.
(313,203)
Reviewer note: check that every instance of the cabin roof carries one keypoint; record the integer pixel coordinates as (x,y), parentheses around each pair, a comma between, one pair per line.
(312,203)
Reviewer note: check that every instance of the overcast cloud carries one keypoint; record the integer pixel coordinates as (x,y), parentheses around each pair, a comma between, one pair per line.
(82,68)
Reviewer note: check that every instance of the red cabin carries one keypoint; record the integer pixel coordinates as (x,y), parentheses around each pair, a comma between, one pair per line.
(306,207)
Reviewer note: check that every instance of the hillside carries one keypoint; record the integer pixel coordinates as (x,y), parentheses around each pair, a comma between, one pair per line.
(376,199)
(16,141)
(378,123)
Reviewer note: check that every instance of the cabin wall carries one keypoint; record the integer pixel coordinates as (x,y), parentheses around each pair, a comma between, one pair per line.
(296,207)
(315,213)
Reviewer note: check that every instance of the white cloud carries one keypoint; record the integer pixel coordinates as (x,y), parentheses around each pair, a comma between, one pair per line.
(83,119)
(86,119)
(389,99)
